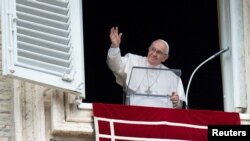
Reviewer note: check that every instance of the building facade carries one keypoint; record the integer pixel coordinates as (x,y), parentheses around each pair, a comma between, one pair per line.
(33,112)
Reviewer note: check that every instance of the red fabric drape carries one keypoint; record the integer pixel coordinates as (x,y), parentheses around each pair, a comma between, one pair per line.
(176,124)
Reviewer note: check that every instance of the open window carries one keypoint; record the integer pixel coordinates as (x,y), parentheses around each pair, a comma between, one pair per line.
(42,41)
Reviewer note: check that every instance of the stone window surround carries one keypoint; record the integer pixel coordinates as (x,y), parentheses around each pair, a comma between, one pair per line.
(42,113)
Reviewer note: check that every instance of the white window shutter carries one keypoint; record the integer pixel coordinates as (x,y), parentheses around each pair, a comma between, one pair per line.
(42,41)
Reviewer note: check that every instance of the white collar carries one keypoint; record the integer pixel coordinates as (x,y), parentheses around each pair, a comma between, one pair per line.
(153,66)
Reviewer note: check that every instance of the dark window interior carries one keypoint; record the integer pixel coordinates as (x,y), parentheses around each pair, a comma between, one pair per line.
(190,28)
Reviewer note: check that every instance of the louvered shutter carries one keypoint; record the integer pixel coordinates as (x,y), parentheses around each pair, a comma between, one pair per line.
(43,42)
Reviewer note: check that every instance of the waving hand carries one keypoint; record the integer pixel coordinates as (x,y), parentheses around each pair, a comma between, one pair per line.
(115,37)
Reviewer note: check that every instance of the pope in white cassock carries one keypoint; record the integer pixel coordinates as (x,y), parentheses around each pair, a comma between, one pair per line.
(156,86)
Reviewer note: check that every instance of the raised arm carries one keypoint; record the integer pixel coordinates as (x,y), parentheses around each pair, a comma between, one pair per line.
(115,37)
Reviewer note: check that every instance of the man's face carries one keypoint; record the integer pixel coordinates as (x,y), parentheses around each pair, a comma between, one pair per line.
(157,53)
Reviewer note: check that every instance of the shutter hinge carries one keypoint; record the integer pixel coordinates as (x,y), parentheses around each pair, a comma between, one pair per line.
(68,77)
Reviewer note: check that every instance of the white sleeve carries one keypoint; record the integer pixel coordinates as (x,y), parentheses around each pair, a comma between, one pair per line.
(113,51)
(117,65)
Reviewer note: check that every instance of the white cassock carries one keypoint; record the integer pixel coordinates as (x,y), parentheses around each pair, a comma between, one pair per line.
(144,87)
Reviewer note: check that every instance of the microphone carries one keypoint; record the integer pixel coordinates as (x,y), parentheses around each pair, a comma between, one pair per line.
(210,58)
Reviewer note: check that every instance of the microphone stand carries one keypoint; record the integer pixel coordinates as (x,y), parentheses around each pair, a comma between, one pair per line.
(190,79)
